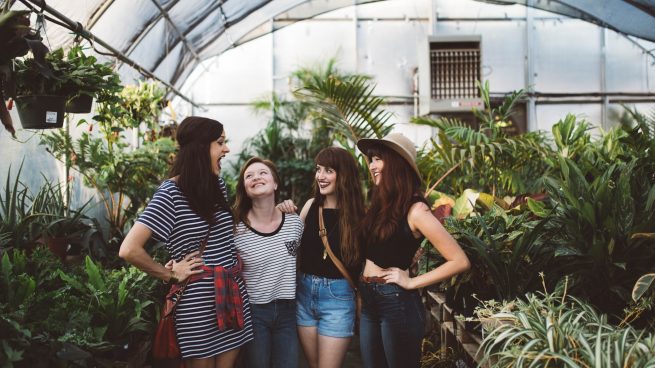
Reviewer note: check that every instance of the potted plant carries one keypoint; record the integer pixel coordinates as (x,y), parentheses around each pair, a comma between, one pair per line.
(39,96)
(60,227)
(66,83)
(16,39)
(86,79)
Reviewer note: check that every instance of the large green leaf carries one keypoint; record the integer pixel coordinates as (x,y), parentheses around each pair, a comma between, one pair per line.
(95,278)
(348,106)
(642,286)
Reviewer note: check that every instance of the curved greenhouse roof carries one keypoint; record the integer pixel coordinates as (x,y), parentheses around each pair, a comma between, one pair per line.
(169,38)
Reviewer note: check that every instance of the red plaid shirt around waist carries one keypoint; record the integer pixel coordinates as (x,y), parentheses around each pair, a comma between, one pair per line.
(227,298)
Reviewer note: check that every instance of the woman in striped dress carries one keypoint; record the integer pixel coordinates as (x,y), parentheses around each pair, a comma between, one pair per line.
(267,241)
(186,209)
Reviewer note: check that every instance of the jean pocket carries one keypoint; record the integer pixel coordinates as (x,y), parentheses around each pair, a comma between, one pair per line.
(341,290)
(390,290)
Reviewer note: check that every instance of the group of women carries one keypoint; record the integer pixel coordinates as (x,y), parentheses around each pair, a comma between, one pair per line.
(271,281)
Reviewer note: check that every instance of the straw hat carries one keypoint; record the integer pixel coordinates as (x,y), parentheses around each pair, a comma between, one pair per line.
(398,143)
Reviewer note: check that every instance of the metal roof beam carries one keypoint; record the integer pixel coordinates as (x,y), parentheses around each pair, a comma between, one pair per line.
(192,26)
(186,43)
(98,13)
(79,29)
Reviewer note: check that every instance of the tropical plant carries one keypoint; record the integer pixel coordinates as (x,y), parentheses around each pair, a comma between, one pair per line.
(507,250)
(80,315)
(641,311)
(119,302)
(345,102)
(19,214)
(17,289)
(487,159)
(603,194)
(558,330)
(286,142)
(331,106)
(86,76)
(14,204)
(124,177)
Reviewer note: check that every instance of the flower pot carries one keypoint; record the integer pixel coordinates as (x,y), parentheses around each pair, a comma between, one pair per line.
(41,112)
(80,104)
(58,246)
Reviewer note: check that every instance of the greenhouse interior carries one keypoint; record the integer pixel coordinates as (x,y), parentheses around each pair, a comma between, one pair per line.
(530,125)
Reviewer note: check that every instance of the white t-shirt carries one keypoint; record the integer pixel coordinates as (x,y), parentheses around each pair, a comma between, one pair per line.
(269,260)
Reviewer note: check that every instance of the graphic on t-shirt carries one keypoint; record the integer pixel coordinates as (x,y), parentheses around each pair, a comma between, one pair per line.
(292,246)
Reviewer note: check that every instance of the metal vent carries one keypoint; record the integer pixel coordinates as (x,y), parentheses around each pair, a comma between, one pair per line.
(454,69)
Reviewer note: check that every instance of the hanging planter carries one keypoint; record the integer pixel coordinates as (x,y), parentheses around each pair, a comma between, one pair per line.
(80,104)
(59,84)
(41,111)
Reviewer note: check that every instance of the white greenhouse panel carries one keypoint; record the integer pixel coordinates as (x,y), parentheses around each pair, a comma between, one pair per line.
(147,56)
(387,52)
(26,151)
(567,56)
(313,43)
(133,16)
(240,124)
(476,9)
(239,75)
(398,8)
(629,69)
(548,115)
(166,67)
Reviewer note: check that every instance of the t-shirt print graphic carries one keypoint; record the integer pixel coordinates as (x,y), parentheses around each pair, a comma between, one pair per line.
(292,246)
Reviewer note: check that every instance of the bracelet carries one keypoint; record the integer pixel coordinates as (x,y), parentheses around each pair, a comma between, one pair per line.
(172,279)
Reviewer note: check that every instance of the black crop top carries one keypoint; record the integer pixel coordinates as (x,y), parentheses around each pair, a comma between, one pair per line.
(397,250)
(311,245)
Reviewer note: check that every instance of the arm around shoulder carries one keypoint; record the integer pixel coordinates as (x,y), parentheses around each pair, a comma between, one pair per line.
(305,209)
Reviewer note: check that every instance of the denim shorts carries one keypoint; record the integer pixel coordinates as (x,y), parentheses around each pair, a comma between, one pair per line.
(328,304)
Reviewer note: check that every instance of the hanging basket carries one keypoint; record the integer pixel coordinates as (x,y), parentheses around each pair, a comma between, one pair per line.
(81,104)
(41,112)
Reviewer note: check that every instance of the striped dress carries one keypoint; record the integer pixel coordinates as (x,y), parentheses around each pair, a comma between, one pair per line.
(171,220)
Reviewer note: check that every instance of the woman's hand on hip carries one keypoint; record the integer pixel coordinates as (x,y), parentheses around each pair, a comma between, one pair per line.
(395,275)
(188,266)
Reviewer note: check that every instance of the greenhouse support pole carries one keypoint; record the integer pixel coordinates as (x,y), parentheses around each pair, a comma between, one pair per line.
(604,108)
(67,171)
(79,29)
(529,68)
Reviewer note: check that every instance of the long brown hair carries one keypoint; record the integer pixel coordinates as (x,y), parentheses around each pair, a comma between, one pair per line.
(192,166)
(243,203)
(390,200)
(350,199)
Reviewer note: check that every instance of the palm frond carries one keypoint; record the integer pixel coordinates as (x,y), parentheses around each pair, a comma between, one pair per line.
(348,106)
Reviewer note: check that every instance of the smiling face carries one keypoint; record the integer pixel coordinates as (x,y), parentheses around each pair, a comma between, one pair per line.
(326,178)
(375,167)
(217,150)
(258,181)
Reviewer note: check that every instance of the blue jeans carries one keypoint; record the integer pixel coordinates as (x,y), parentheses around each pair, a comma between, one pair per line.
(276,338)
(391,326)
(327,304)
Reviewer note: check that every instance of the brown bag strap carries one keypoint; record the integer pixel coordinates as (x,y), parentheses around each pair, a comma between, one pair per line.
(179,292)
(322,232)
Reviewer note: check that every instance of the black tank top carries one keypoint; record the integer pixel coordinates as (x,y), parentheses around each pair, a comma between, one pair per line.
(311,245)
(397,250)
